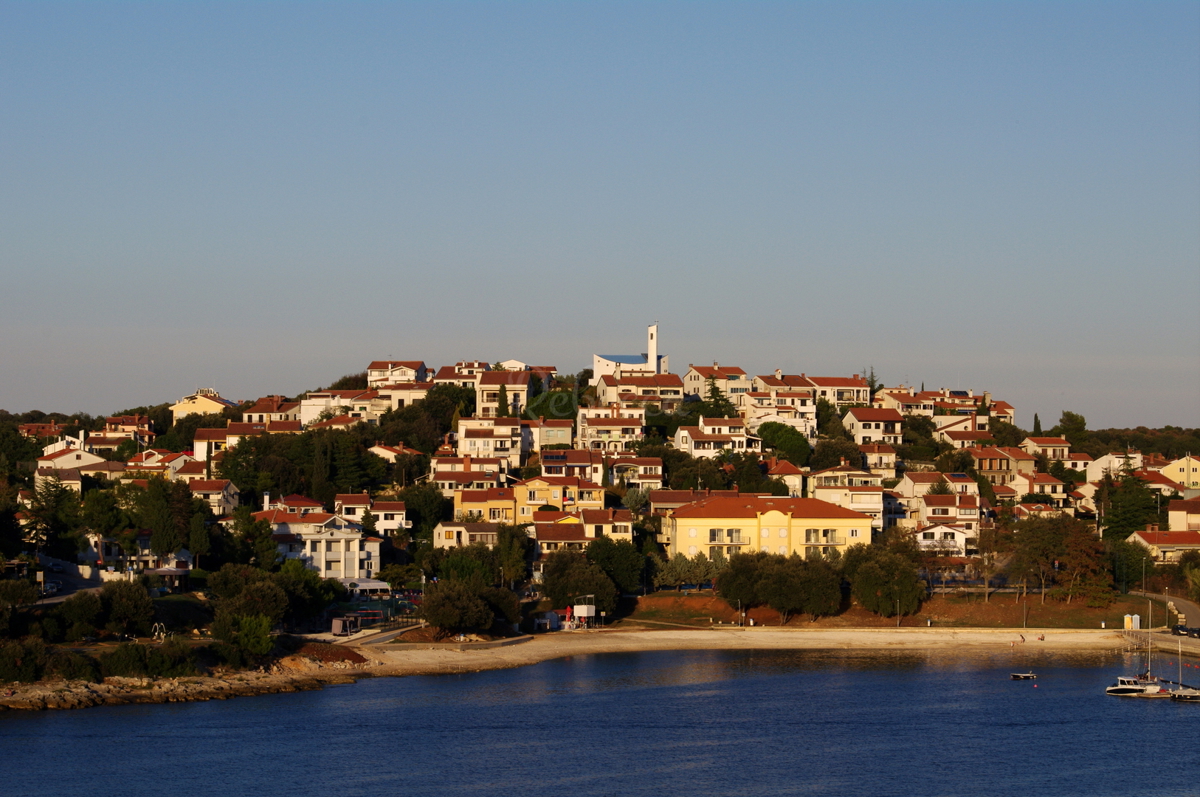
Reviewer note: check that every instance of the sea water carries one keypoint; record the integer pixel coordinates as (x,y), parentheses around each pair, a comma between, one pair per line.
(656,723)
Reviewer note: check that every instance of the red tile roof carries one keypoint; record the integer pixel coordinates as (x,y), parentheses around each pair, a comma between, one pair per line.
(747,507)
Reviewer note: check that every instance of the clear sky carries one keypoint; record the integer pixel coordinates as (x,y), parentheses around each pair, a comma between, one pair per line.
(261,197)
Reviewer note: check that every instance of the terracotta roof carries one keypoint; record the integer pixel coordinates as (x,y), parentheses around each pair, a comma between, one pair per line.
(388,506)
(603,516)
(380,365)
(876,448)
(1048,441)
(208,485)
(490,494)
(299,500)
(654,380)
(747,507)
(875,414)
(1169,537)
(717,372)
(353,499)
(560,532)
(498,378)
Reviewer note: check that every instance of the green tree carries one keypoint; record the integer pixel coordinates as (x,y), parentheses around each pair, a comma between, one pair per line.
(888,583)
(569,575)
(1038,543)
(716,404)
(780,585)
(635,500)
(514,547)
(940,487)
(14,593)
(829,422)
(738,582)
(1073,427)
(426,508)
(789,444)
(253,541)
(503,408)
(454,607)
(1084,565)
(199,539)
(250,633)
(1037,426)
(820,588)
(127,607)
(620,560)
(53,517)
(1127,504)
(830,451)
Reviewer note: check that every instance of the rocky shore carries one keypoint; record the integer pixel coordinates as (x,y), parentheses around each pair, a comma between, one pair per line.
(289,675)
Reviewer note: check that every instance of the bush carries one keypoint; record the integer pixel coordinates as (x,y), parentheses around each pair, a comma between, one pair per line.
(22,662)
(172,659)
(80,631)
(82,607)
(72,666)
(127,606)
(249,633)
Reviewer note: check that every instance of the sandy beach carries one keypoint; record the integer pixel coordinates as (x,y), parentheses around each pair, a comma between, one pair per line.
(294,673)
(412,660)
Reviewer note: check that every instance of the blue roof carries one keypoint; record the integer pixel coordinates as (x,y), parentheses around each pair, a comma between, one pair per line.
(623,358)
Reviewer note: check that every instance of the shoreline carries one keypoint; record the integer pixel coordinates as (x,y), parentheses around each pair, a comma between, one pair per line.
(295,674)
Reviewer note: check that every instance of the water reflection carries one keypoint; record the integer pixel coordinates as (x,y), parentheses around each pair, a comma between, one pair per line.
(710,722)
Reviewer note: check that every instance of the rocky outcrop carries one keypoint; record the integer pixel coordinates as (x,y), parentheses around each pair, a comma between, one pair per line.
(290,675)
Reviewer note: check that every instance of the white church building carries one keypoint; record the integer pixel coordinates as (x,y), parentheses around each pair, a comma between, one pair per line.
(647,364)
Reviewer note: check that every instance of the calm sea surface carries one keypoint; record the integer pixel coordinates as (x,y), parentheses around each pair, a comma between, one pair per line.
(694,723)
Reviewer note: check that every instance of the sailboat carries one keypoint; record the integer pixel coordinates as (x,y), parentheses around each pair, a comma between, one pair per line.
(1188,694)
(1142,685)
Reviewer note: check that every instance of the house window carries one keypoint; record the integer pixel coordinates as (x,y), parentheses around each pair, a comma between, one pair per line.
(853,532)
(927,535)
(351,511)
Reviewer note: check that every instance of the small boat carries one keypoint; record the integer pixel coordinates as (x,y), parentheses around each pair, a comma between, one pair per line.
(1022,676)
(1186,694)
(1127,686)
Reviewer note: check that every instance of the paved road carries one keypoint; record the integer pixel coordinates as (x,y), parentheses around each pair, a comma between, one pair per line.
(1189,608)
(70,583)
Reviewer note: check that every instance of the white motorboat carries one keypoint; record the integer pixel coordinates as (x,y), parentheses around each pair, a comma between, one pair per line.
(1129,686)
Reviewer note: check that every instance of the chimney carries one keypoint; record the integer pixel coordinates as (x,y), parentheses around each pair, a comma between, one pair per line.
(716,364)
(779,373)
(267,499)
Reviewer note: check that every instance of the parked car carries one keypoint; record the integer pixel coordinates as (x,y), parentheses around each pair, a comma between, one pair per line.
(55,568)
(1194,633)
(1179,630)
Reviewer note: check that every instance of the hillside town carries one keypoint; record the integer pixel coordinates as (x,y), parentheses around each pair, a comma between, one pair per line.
(708,461)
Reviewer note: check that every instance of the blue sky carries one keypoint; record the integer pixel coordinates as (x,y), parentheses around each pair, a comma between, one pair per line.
(262,197)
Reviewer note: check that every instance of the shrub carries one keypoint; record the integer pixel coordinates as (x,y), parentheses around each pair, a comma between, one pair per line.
(22,661)
(72,666)
(171,659)
(128,607)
